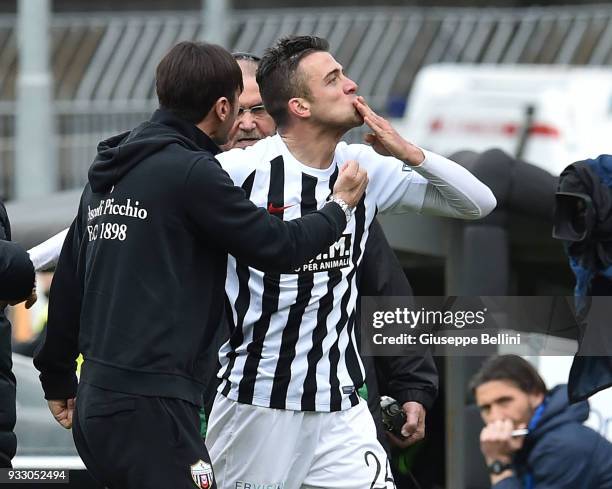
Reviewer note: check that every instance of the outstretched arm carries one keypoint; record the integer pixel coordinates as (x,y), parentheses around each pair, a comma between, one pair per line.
(422,180)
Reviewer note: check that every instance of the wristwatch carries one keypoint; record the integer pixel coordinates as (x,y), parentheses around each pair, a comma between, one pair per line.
(348,211)
(498,467)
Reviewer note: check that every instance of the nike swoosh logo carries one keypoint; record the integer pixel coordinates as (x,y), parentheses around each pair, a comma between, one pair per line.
(272,209)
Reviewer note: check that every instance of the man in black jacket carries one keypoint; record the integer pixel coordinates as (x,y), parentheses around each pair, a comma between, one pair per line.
(16,285)
(139,284)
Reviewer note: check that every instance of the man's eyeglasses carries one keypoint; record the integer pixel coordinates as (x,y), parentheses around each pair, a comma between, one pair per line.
(256,111)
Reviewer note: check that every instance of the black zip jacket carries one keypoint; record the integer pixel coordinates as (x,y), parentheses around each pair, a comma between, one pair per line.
(139,286)
(412,376)
(16,282)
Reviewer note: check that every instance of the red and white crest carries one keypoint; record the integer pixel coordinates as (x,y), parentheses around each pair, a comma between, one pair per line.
(202,474)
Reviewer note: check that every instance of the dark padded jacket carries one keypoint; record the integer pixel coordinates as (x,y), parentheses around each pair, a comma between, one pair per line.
(16,282)
(562,453)
(412,376)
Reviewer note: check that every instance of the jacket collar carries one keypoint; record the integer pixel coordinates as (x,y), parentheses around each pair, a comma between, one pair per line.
(185,128)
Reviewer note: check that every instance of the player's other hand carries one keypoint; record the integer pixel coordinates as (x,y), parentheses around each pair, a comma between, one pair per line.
(62,410)
(385,139)
(351,183)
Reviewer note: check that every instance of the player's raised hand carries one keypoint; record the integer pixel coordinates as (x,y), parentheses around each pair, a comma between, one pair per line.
(351,184)
(385,139)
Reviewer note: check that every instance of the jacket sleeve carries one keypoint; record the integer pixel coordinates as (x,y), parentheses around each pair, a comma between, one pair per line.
(56,358)
(512,482)
(223,216)
(16,272)
(569,457)
(557,471)
(412,376)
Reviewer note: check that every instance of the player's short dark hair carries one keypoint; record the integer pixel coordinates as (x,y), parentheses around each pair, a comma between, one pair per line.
(278,77)
(510,368)
(193,76)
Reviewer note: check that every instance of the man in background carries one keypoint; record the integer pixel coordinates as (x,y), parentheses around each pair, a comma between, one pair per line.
(557,451)
(16,285)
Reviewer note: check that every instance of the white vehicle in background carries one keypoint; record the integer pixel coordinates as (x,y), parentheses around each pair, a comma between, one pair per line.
(548,115)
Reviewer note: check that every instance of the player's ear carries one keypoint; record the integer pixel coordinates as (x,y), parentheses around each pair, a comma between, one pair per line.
(299,107)
(223,108)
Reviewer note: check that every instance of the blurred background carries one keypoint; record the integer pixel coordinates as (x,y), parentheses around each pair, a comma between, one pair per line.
(458,77)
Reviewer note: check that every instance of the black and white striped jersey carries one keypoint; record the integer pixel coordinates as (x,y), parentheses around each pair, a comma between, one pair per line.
(293,343)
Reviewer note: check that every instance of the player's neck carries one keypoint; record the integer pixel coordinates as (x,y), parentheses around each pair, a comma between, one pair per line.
(312,147)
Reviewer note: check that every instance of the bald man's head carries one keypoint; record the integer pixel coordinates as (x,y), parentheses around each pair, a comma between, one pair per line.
(253,122)
(248,67)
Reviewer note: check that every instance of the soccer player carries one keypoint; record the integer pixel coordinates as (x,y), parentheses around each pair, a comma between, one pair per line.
(287,413)
(410,379)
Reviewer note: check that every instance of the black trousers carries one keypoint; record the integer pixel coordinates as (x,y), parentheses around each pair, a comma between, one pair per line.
(8,442)
(129,441)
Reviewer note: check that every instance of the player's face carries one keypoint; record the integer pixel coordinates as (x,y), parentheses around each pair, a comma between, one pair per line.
(500,400)
(331,92)
(253,122)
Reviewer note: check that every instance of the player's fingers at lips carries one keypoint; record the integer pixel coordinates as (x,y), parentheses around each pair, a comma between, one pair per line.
(367,108)
(362,101)
(359,106)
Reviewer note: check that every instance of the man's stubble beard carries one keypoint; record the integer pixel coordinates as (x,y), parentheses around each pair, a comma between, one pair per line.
(250,137)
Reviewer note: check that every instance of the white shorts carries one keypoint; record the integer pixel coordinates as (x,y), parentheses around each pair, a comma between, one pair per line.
(254,447)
